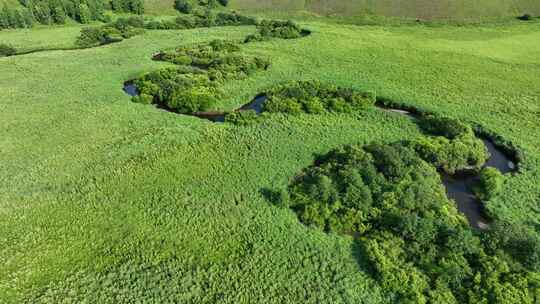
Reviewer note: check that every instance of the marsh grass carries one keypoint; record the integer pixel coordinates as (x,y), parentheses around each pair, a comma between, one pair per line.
(101,198)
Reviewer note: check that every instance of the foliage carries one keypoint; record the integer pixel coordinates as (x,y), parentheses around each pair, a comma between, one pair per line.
(111,32)
(193,87)
(242,117)
(15,18)
(267,29)
(203,19)
(104,202)
(93,36)
(7,50)
(490,184)
(60,11)
(417,243)
(183,6)
(452,147)
(315,97)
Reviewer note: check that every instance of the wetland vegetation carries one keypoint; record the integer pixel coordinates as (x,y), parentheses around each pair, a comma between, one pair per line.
(390,163)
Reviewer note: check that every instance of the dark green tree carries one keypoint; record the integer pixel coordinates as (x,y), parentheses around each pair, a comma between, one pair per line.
(183,6)
(58,15)
(84,15)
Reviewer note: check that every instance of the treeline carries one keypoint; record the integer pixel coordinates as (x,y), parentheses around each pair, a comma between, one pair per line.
(49,12)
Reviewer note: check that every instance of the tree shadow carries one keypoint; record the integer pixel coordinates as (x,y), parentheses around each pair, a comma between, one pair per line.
(358,250)
(271,195)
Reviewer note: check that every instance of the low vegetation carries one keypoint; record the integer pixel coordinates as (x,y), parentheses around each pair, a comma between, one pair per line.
(315,97)
(103,201)
(7,50)
(419,246)
(242,117)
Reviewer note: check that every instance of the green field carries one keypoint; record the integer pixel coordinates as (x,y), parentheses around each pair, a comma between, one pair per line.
(106,201)
(424,9)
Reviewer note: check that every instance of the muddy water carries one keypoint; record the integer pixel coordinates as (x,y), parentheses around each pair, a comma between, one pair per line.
(459,187)
(130,89)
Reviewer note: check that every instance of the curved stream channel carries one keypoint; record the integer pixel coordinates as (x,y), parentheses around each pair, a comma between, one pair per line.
(458,186)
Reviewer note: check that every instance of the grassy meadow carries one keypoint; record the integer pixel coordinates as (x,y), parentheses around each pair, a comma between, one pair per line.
(424,9)
(107,201)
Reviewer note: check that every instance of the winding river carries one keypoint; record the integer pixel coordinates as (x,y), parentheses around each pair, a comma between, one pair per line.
(458,186)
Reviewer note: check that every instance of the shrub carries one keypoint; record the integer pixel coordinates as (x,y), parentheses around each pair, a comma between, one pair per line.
(267,29)
(143,98)
(464,153)
(94,36)
(490,184)
(315,97)
(223,19)
(224,2)
(183,6)
(452,145)
(444,126)
(7,50)
(242,118)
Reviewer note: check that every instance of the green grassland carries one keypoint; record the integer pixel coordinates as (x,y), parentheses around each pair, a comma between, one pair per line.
(107,201)
(424,9)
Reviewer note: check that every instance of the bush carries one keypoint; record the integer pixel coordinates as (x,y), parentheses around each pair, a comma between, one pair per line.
(242,118)
(183,6)
(452,145)
(7,50)
(314,97)
(195,99)
(224,2)
(94,36)
(143,98)
(111,32)
(444,126)
(490,184)
(267,29)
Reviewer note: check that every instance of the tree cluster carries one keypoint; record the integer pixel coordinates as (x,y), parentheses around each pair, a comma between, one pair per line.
(194,85)
(59,11)
(188,6)
(116,31)
(315,97)
(267,29)
(200,19)
(420,248)
(452,145)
